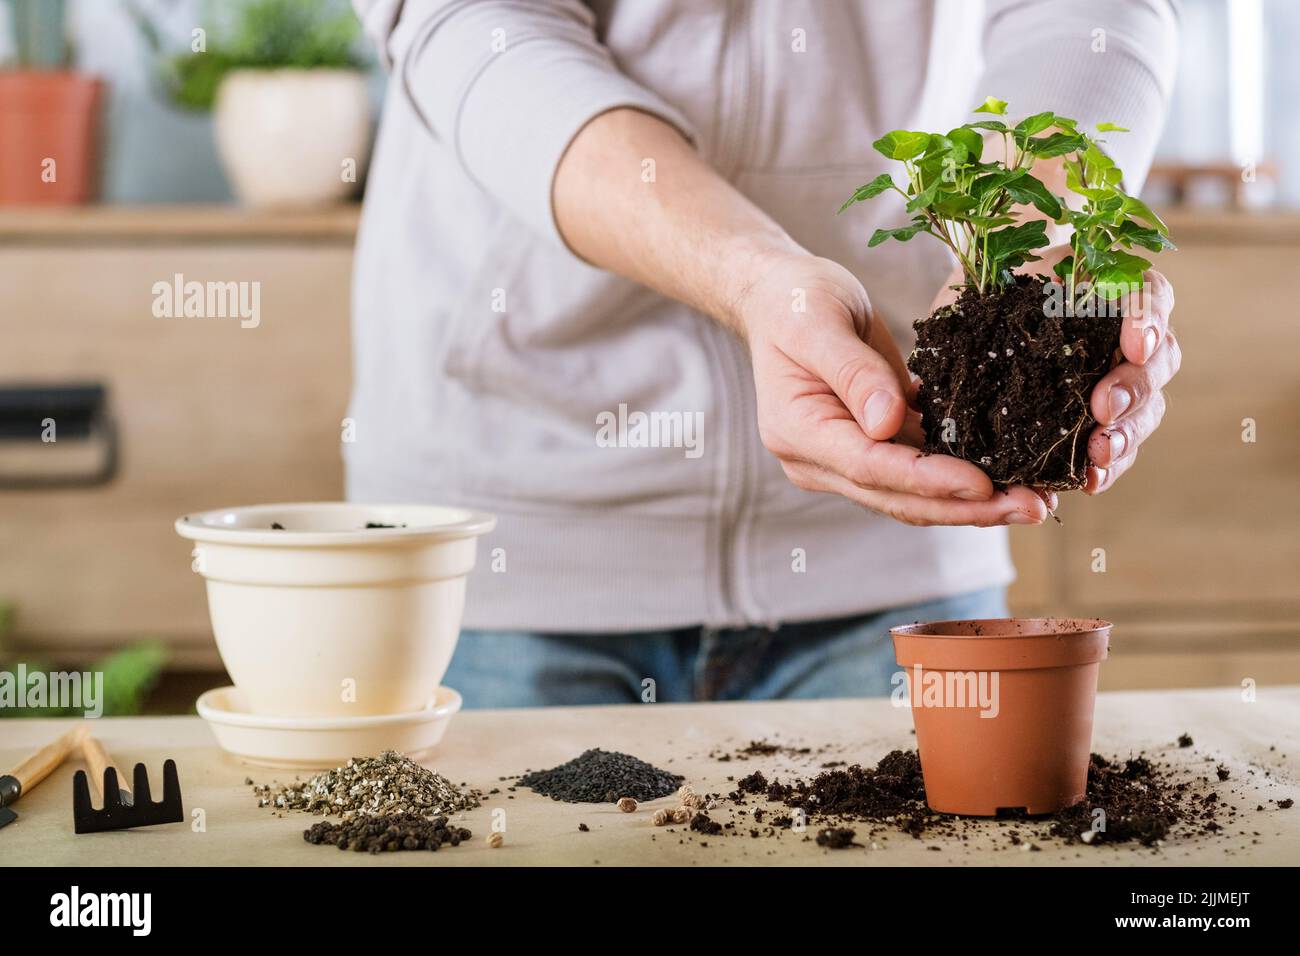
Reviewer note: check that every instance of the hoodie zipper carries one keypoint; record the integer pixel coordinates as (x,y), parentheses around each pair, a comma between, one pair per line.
(738,473)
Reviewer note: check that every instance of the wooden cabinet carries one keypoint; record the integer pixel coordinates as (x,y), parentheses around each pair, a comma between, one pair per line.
(1199,538)
(208,413)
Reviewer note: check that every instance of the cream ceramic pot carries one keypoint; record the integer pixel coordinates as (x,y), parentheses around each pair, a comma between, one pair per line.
(327,618)
(293,137)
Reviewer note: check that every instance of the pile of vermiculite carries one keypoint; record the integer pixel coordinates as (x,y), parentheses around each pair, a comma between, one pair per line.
(387,802)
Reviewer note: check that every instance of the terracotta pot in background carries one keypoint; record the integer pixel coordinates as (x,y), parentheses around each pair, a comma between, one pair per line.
(44,115)
(284,135)
(1033,752)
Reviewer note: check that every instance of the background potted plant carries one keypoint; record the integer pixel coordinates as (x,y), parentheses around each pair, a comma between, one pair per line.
(49,114)
(1007,369)
(288,89)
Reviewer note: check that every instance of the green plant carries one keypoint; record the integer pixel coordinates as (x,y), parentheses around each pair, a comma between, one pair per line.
(255,35)
(39,38)
(969,205)
(129,675)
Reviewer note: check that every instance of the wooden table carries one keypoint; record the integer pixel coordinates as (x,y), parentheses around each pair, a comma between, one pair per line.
(1258,742)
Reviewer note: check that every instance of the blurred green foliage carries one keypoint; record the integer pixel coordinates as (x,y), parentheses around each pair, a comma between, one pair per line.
(255,35)
(129,675)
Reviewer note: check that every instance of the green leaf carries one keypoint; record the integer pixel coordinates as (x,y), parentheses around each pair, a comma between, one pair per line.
(1132,234)
(1136,207)
(1095,258)
(992,105)
(902,233)
(869,191)
(1058,144)
(971,141)
(1064,268)
(1017,239)
(1110,128)
(955,206)
(1036,123)
(902,144)
(990,222)
(1123,275)
(982,186)
(1028,190)
(1075,184)
(925,197)
(996,126)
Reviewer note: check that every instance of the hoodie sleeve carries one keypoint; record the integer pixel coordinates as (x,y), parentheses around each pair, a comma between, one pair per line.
(506,85)
(1101,61)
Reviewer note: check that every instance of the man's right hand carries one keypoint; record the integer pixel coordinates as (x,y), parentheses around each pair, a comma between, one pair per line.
(831,389)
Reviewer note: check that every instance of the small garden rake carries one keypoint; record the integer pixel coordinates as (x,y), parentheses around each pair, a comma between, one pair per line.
(123,808)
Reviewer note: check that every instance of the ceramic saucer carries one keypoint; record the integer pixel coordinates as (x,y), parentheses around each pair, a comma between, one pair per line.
(323,742)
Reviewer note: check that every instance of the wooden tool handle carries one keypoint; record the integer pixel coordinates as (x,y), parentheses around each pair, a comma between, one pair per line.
(42,763)
(97,759)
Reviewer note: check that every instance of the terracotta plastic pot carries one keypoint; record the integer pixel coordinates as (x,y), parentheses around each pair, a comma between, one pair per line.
(1003,710)
(49,115)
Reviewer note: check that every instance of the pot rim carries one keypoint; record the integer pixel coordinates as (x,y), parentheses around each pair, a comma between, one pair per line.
(958,630)
(218,526)
(1049,643)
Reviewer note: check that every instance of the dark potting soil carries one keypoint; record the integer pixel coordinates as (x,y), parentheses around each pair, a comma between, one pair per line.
(1005,385)
(387,833)
(702,823)
(836,838)
(601,776)
(1143,801)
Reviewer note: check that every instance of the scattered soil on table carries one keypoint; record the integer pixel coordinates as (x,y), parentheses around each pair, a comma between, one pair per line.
(1144,801)
(769,748)
(836,838)
(1185,740)
(387,833)
(1005,384)
(602,776)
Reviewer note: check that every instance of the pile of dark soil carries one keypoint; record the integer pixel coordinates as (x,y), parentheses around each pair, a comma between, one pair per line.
(1140,804)
(600,776)
(1005,383)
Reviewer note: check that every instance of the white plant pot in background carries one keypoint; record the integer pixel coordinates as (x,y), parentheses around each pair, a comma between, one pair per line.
(289,137)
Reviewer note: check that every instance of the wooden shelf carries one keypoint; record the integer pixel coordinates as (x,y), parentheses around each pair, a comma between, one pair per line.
(169,223)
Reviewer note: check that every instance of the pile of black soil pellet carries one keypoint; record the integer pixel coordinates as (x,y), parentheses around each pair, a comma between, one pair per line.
(1142,800)
(387,833)
(602,776)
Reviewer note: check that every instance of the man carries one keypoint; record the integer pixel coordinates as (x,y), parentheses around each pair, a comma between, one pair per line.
(580,213)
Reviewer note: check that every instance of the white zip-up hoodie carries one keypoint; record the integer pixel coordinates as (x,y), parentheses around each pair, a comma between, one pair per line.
(494,369)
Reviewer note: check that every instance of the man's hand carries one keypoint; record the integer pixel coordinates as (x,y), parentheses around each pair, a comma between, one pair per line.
(1129,402)
(830,383)
(831,389)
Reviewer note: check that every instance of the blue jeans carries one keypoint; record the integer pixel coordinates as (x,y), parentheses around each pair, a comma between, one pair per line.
(846,657)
